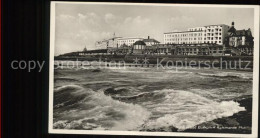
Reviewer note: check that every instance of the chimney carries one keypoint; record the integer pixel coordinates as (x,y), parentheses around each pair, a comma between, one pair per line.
(148,37)
(233,23)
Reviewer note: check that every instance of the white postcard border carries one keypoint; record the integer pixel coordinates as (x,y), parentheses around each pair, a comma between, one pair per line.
(99,132)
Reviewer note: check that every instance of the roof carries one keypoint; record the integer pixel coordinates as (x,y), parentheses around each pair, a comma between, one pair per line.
(216,25)
(182,32)
(114,38)
(151,40)
(129,38)
(139,43)
(232,29)
(197,27)
(241,32)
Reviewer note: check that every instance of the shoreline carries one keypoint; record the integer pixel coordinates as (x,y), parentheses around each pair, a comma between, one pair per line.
(243,63)
(104,64)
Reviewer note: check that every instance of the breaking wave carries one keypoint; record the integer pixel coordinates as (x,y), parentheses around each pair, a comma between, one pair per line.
(113,99)
(179,109)
(131,97)
(67,87)
(228,75)
(97,111)
(184,109)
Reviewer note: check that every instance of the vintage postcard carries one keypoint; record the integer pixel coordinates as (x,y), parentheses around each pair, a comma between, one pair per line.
(154,69)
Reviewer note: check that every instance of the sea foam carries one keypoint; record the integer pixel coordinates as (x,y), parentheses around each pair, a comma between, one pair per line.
(185,110)
(99,111)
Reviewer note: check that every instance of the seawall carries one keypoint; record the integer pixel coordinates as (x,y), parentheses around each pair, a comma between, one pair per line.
(228,62)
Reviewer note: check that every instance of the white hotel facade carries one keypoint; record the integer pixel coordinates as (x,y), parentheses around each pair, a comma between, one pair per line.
(116,42)
(129,41)
(198,35)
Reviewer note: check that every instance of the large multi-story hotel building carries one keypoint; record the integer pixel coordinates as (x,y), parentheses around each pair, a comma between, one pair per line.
(207,34)
(129,41)
(107,43)
(116,42)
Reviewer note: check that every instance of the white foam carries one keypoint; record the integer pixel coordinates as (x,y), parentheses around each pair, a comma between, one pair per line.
(177,72)
(222,93)
(132,96)
(135,115)
(190,110)
(66,87)
(228,74)
(104,110)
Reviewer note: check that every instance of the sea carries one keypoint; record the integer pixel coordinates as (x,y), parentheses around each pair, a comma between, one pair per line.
(145,98)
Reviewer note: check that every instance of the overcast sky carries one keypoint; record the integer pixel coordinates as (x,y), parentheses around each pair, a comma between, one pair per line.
(80,25)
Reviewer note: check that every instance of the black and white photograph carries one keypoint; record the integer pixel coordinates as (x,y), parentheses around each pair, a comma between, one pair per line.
(153,69)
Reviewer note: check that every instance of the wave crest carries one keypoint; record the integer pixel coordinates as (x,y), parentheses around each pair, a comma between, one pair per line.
(183,110)
(228,75)
(100,111)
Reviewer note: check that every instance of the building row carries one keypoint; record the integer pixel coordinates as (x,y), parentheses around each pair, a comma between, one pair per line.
(116,42)
(139,47)
(207,34)
(215,40)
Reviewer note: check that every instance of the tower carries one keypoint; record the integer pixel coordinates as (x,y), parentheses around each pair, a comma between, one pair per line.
(114,35)
(85,49)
